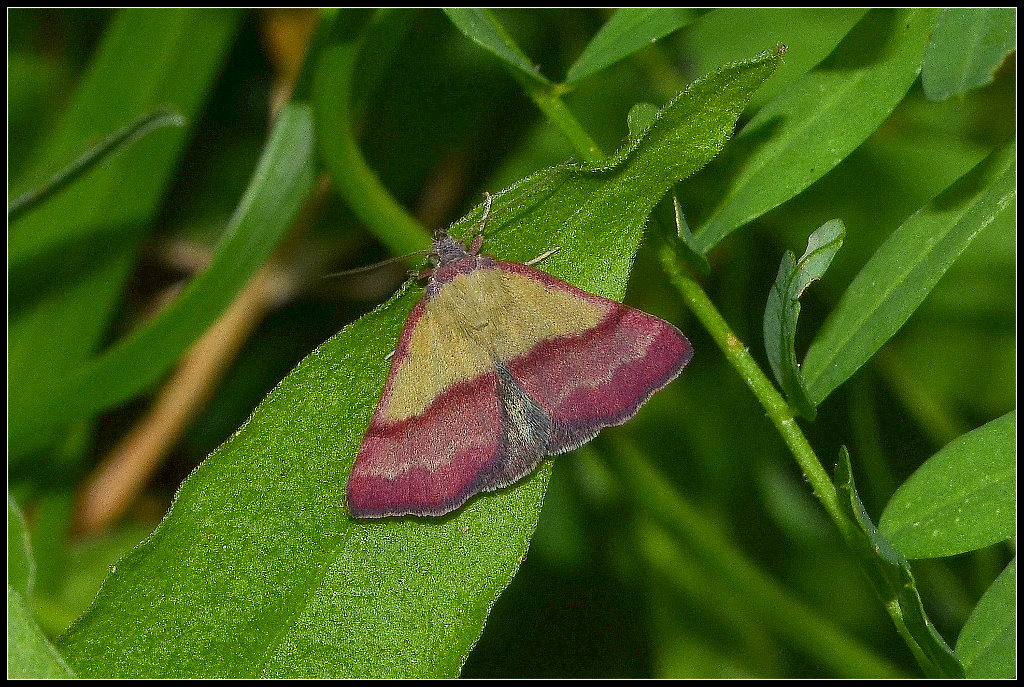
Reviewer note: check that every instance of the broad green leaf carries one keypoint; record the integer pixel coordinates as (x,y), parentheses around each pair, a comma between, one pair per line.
(966,48)
(987,646)
(279,185)
(68,259)
(962,499)
(628,30)
(257,569)
(639,119)
(904,269)
(29,652)
(890,575)
(480,26)
(783,309)
(110,146)
(816,122)
(20,564)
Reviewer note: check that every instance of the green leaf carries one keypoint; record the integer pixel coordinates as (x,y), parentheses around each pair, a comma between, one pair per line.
(628,30)
(967,46)
(685,245)
(640,118)
(68,260)
(29,653)
(280,184)
(727,34)
(257,569)
(962,499)
(480,26)
(890,575)
(20,564)
(816,122)
(904,269)
(783,309)
(987,645)
(127,135)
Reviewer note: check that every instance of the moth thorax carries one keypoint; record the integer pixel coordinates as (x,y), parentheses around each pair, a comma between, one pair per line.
(448,250)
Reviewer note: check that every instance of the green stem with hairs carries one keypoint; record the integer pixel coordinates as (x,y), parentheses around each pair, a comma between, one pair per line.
(548,99)
(778,410)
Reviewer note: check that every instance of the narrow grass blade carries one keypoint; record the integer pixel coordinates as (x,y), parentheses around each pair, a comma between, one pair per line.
(279,186)
(816,122)
(904,269)
(480,26)
(110,146)
(628,30)
(29,652)
(69,259)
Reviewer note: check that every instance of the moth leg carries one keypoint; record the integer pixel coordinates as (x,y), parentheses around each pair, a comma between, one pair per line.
(478,238)
(543,256)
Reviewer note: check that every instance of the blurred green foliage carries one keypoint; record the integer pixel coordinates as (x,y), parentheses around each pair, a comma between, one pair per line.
(738,571)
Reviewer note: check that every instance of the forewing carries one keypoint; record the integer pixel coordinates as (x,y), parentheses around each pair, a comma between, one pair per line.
(599,375)
(452,422)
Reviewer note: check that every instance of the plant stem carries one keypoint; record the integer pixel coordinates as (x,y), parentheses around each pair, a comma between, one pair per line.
(547,98)
(778,410)
(372,203)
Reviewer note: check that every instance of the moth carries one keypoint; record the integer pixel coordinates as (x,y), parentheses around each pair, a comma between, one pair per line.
(498,366)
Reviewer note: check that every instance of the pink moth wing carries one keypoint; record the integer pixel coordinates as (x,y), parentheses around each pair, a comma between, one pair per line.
(498,366)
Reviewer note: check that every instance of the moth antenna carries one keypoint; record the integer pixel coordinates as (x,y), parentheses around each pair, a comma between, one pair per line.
(376,265)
